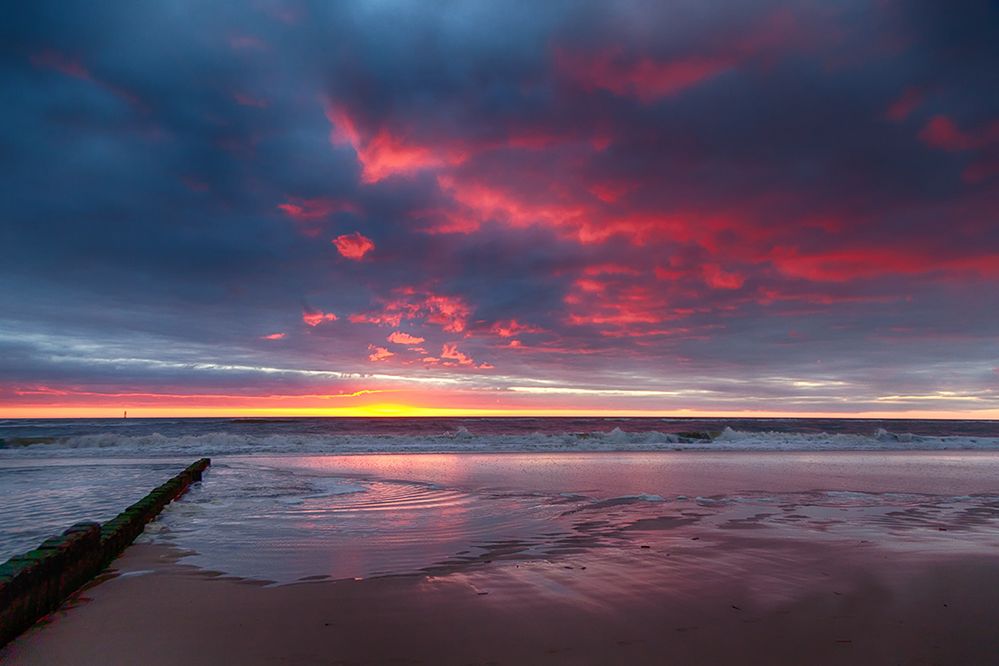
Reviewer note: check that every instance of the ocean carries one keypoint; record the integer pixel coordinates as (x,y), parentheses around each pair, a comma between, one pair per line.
(39,438)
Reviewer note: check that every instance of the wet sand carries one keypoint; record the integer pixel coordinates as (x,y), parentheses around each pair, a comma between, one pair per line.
(791,577)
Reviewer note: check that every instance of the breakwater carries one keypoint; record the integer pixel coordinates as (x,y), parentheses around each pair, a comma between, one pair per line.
(36,583)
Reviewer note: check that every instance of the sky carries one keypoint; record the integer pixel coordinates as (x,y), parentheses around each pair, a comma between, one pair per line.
(285,207)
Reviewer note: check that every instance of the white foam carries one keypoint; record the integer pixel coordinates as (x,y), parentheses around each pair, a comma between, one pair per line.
(462,440)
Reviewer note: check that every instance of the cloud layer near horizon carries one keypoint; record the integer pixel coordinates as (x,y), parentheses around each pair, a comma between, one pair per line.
(598,205)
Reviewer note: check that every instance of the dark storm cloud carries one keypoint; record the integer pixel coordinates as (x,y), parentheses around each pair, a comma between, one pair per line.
(733,199)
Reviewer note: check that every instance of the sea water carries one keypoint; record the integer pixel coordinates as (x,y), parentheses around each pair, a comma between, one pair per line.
(288,499)
(28,438)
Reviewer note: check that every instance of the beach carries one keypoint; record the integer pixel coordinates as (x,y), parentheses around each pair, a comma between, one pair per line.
(599,557)
(499,333)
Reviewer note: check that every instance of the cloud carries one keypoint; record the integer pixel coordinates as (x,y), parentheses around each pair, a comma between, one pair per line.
(401,338)
(384,154)
(317,317)
(449,312)
(379,353)
(314,209)
(644,78)
(353,246)
(718,278)
(450,352)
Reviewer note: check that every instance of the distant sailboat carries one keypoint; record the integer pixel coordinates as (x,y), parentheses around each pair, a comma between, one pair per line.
(125,415)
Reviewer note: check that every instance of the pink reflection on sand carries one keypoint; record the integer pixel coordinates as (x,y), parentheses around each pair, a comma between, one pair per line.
(628,520)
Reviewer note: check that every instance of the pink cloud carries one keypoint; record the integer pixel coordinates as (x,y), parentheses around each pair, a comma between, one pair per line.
(273,336)
(616,302)
(451,352)
(383,154)
(610,269)
(315,209)
(649,78)
(858,263)
(315,318)
(386,319)
(401,338)
(353,246)
(379,353)
(480,201)
(449,312)
(644,78)
(609,191)
(512,328)
(720,279)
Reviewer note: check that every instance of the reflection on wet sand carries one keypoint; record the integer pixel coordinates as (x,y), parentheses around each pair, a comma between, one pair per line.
(307,519)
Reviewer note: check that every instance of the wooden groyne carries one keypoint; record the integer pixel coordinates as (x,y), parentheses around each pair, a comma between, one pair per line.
(36,583)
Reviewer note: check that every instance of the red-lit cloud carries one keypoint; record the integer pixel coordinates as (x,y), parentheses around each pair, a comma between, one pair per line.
(276,336)
(449,312)
(383,154)
(480,202)
(613,301)
(315,209)
(718,278)
(860,263)
(644,78)
(353,246)
(512,328)
(650,78)
(315,318)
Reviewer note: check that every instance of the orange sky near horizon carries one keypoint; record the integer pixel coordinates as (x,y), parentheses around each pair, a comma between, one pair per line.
(388,408)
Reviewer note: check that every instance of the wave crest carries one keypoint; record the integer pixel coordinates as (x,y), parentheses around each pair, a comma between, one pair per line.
(462,440)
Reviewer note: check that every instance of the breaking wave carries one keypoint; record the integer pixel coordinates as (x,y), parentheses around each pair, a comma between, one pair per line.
(462,441)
